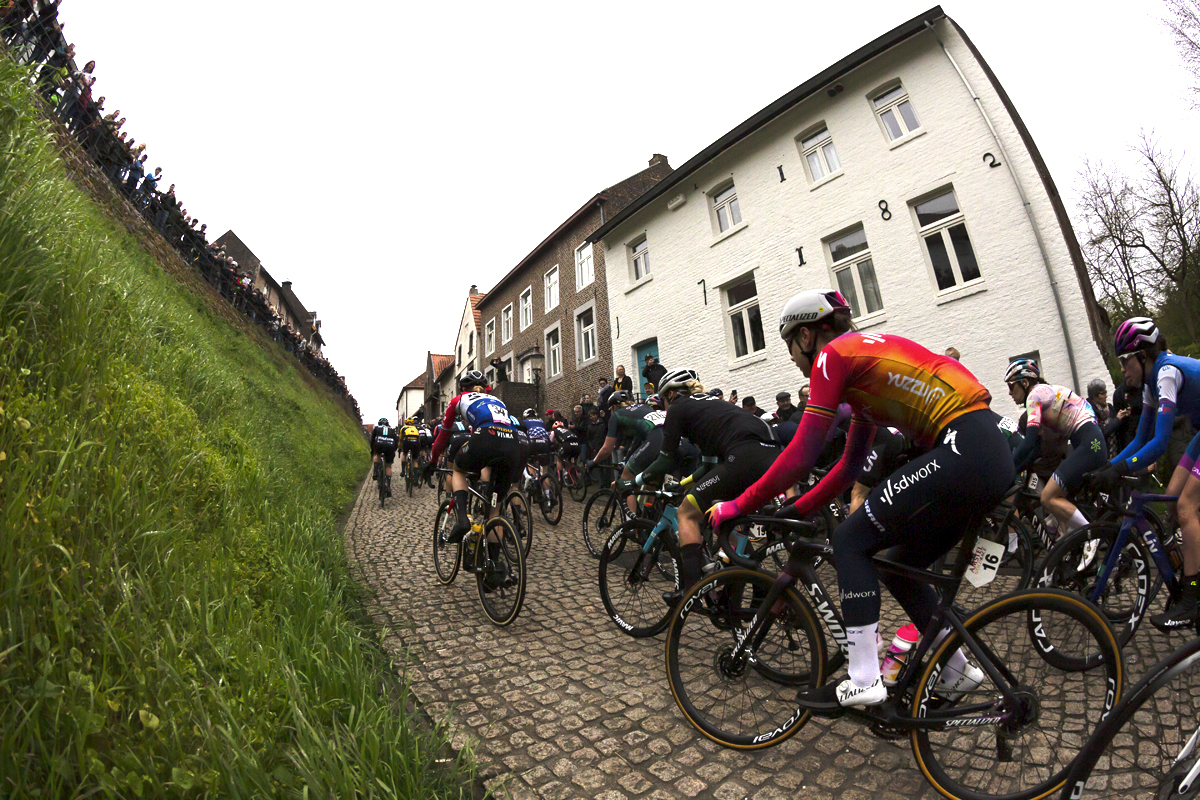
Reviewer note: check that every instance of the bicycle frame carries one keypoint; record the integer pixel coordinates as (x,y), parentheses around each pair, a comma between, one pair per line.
(1133,515)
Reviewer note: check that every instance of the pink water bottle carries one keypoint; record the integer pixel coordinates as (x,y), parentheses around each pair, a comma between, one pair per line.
(897,653)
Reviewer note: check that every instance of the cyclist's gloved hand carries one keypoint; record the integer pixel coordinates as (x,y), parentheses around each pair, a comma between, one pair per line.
(788,510)
(1106,479)
(588,465)
(723,512)
(672,486)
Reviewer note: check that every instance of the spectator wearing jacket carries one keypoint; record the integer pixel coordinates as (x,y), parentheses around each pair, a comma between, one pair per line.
(653,371)
(622,382)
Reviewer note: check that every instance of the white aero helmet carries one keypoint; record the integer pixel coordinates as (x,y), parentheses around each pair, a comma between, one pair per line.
(807,307)
(676,379)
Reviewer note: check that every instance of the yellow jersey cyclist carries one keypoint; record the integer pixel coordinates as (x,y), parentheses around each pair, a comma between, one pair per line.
(410,445)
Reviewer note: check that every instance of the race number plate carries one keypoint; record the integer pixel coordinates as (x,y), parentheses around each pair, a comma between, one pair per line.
(985,561)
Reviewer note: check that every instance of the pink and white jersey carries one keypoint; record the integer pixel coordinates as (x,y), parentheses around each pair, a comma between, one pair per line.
(1057,409)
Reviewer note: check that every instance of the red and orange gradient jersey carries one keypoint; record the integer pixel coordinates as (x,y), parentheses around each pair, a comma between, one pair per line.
(890,380)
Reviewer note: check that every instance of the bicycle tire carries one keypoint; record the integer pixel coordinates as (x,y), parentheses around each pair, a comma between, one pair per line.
(550,500)
(516,508)
(605,505)
(1016,762)
(575,485)
(446,555)
(632,594)
(1148,737)
(1124,610)
(701,673)
(501,603)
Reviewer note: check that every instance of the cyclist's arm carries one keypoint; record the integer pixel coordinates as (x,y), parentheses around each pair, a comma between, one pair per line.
(661,466)
(706,463)
(1029,447)
(1153,431)
(610,440)
(443,437)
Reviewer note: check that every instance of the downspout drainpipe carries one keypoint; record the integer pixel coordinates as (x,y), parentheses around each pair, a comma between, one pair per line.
(1008,162)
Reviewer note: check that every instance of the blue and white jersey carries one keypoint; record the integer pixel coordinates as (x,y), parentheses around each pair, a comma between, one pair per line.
(1171,386)
(536,430)
(479,410)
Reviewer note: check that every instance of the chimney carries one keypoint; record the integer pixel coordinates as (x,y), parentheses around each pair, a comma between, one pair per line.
(658,158)
(474,289)
(286,284)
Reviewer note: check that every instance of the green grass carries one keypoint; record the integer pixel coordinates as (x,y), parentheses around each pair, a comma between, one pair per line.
(176,616)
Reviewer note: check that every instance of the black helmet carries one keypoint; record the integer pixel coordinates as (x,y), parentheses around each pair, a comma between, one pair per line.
(716,393)
(619,396)
(472,378)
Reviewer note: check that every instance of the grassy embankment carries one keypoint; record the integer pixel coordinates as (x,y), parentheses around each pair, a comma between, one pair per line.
(175,613)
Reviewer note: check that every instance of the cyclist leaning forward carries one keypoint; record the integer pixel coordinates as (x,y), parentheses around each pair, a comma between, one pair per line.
(640,425)
(962,469)
(383,443)
(743,444)
(492,449)
(410,445)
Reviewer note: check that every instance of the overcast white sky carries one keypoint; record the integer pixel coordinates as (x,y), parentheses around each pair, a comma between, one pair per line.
(385,156)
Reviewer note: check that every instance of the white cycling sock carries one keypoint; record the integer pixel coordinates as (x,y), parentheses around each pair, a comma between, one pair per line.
(1077,520)
(864,658)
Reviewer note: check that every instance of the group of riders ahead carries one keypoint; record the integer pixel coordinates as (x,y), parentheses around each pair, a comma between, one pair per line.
(872,397)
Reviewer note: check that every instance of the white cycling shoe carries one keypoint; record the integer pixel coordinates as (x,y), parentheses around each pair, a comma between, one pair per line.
(1089,552)
(834,697)
(953,684)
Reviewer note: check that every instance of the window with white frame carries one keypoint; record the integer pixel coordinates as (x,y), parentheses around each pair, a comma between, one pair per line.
(585,272)
(489,336)
(745,319)
(471,343)
(585,335)
(641,259)
(506,324)
(526,307)
(943,230)
(896,113)
(819,155)
(553,353)
(725,205)
(527,371)
(552,288)
(855,272)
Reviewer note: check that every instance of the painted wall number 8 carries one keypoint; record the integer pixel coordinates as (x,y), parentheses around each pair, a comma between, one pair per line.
(884,212)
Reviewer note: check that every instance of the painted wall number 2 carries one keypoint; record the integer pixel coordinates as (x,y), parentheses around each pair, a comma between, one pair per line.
(990,160)
(884,212)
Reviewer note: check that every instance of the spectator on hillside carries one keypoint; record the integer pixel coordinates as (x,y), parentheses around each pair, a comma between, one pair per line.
(136,170)
(623,382)
(653,371)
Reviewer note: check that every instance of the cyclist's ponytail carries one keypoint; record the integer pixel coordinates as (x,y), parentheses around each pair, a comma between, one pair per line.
(694,387)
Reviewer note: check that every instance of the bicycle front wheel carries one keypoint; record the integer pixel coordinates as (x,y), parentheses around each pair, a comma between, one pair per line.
(633,578)
(500,572)
(574,484)
(516,508)
(445,554)
(746,701)
(975,744)
(550,499)
(601,516)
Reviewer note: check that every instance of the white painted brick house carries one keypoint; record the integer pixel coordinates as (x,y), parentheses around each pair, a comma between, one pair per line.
(898,188)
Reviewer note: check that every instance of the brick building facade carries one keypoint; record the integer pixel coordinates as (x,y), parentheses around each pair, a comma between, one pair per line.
(547,320)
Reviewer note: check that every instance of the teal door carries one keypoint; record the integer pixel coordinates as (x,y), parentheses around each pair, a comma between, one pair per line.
(649,348)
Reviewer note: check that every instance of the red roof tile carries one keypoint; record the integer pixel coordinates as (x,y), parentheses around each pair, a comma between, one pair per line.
(441,364)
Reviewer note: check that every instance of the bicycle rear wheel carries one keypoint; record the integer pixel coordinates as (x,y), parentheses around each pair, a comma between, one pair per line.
(601,516)
(745,703)
(632,580)
(977,747)
(381,484)
(500,572)
(445,554)
(516,508)
(550,499)
(574,483)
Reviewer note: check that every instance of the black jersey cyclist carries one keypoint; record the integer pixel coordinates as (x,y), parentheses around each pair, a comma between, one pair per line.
(539,439)
(743,445)
(383,443)
(564,441)
(491,450)
(962,471)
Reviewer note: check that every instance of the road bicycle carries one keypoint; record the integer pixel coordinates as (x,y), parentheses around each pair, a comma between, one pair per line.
(383,481)
(491,550)
(570,479)
(604,512)
(639,567)
(1109,562)
(545,489)
(1148,745)
(735,663)
(516,508)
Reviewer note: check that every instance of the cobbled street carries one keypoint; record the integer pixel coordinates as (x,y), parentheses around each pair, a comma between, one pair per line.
(562,704)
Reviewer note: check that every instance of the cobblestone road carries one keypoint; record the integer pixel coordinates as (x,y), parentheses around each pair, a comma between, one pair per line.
(561,704)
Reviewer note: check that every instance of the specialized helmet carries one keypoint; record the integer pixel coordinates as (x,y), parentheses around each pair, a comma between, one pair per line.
(1096,386)
(807,307)
(529,413)
(1023,368)
(654,401)
(382,421)
(410,421)
(472,378)
(1133,333)
(715,393)
(619,396)
(676,379)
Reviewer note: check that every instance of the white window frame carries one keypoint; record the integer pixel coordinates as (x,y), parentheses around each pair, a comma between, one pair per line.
(470,343)
(585,267)
(743,309)
(527,370)
(893,105)
(943,226)
(526,305)
(551,282)
(731,204)
(506,324)
(818,150)
(553,354)
(581,335)
(853,263)
(510,363)
(642,256)
(489,336)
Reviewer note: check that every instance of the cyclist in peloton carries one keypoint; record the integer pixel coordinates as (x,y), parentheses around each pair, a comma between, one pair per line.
(383,443)
(539,440)
(491,450)
(410,445)
(426,438)
(962,470)
(565,443)
(1170,385)
(743,444)
(1055,413)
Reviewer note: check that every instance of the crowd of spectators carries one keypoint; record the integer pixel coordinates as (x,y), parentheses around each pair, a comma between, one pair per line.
(34,36)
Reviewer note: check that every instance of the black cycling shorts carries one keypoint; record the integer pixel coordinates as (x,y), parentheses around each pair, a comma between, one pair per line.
(388,454)
(887,454)
(410,447)
(538,450)
(743,465)
(920,511)
(491,447)
(1089,453)
(646,452)
(457,440)
(569,451)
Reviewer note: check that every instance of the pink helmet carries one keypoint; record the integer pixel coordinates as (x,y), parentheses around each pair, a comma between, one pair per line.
(1133,333)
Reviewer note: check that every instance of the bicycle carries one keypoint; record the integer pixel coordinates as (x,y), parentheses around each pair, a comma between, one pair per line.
(516,508)
(546,489)
(383,482)
(1110,566)
(572,481)
(604,512)
(734,664)
(1158,722)
(411,476)
(490,550)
